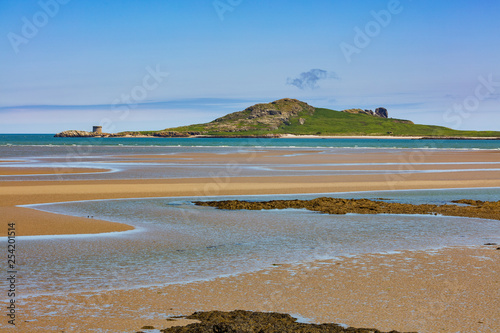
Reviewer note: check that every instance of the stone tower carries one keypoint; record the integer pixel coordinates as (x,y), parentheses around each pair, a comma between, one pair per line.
(97,129)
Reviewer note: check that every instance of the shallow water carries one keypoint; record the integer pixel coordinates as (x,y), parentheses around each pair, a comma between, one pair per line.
(177,242)
(118,163)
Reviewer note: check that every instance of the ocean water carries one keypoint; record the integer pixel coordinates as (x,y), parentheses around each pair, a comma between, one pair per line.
(50,140)
(30,150)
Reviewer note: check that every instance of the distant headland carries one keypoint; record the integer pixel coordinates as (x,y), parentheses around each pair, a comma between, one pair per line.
(290,117)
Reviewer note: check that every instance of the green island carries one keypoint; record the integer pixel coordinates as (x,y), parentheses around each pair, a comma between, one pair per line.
(293,117)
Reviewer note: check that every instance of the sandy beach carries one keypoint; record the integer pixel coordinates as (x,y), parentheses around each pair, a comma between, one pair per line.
(46,171)
(449,290)
(292,136)
(383,137)
(25,193)
(230,166)
(227,182)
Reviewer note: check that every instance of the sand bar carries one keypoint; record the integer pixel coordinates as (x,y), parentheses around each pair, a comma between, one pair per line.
(12,171)
(293,136)
(27,192)
(397,168)
(321,155)
(12,161)
(227,182)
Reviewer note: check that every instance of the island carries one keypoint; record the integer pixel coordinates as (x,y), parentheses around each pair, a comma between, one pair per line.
(290,117)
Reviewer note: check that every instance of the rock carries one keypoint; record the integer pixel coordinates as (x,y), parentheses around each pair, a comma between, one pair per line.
(171,134)
(302,121)
(359,111)
(381,112)
(479,209)
(77,134)
(266,116)
(240,321)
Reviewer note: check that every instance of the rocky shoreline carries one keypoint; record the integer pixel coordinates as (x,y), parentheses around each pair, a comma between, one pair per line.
(463,207)
(159,134)
(240,321)
(176,134)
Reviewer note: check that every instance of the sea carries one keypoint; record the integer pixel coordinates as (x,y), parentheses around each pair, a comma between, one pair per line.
(175,241)
(50,140)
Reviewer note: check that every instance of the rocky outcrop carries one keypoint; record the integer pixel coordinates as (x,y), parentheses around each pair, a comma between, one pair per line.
(468,208)
(240,321)
(78,134)
(175,134)
(379,112)
(266,116)
(402,121)
(359,111)
(171,134)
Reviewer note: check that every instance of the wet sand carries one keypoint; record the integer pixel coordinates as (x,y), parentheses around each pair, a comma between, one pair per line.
(32,192)
(450,290)
(11,161)
(228,182)
(320,155)
(46,171)
(33,222)
(397,168)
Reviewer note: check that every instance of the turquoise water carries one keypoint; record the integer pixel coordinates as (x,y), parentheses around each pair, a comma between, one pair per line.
(48,139)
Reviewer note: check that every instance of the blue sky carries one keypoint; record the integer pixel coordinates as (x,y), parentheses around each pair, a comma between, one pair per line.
(149,65)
